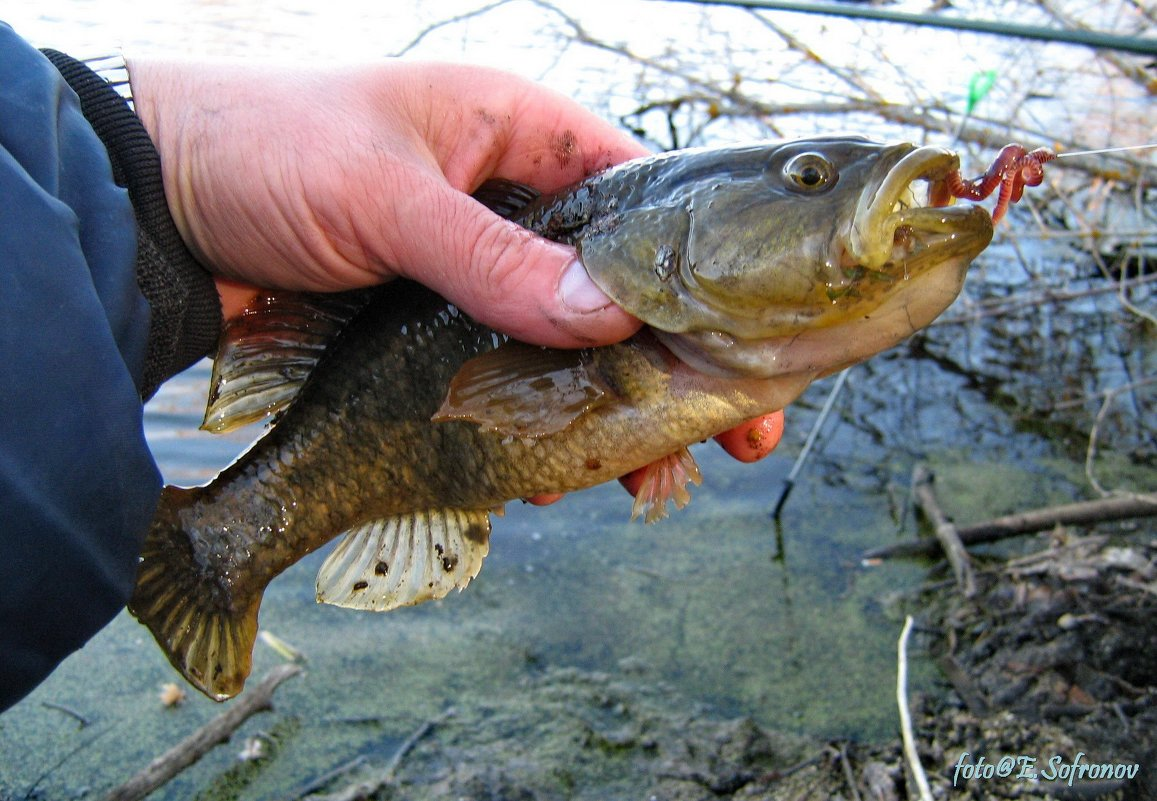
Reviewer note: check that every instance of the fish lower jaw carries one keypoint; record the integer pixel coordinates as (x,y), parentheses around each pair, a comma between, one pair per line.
(934,233)
(823,349)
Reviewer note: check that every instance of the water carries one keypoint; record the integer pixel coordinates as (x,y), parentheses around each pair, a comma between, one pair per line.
(783,625)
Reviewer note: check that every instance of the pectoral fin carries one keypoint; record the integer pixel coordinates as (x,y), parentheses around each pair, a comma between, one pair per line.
(504,198)
(405,560)
(268,352)
(524,391)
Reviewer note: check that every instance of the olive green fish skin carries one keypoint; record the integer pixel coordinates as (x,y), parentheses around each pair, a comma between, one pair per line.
(359,444)
(725,239)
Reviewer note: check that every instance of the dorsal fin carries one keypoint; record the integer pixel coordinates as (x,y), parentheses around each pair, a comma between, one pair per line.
(524,391)
(505,198)
(268,352)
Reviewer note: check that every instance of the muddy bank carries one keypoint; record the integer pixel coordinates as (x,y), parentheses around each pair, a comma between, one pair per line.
(1055,657)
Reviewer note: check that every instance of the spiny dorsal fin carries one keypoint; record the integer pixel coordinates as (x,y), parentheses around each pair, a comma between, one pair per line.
(405,560)
(505,198)
(268,352)
(524,391)
(665,480)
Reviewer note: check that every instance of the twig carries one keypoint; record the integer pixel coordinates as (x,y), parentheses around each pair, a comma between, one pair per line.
(216,731)
(313,785)
(442,23)
(945,530)
(849,777)
(906,717)
(366,789)
(965,687)
(1083,513)
(1075,36)
(1130,69)
(72,713)
(1091,449)
(1013,305)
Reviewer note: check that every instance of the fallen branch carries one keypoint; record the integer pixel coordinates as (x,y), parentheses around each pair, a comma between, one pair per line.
(1083,513)
(216,731)
(965,686)
(946,533)
(849,777)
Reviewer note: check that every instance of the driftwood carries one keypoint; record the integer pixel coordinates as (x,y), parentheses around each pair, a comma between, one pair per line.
(1084,513)
(946,532)
(216,731)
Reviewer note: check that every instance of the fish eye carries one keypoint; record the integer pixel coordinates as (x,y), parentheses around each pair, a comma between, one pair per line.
(810,173)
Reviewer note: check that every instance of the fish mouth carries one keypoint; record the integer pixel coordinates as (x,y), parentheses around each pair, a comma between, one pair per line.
(895,266)
(894,222)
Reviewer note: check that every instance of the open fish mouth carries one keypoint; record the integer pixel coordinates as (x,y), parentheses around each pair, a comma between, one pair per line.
(897,264)
(894,224)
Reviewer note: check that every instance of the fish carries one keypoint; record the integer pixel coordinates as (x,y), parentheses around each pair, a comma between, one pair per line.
(401,424)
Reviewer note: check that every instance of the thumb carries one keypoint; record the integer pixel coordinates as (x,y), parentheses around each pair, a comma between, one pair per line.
(510,279)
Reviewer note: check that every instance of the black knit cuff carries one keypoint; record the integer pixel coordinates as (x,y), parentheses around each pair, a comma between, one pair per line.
(186,311)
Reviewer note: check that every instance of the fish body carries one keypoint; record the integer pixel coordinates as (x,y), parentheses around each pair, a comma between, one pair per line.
(403,423)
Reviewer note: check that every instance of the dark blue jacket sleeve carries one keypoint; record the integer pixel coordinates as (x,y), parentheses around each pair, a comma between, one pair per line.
(78,485)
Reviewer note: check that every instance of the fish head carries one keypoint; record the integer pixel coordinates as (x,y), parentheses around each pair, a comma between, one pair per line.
(782,258)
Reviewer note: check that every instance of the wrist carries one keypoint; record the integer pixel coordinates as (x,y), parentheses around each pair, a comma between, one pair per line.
(186,314)
(113,70)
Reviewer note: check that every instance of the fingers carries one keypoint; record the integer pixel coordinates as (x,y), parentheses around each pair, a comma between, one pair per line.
(546,499)
(235,296)
(500,274)
(633,480)
(504,276)
(498,124)
(754,439)
(747,442)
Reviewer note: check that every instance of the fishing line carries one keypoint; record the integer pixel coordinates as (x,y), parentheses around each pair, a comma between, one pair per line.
(1104,150)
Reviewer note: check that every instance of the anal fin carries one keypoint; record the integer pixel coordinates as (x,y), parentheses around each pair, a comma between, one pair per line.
(405,560)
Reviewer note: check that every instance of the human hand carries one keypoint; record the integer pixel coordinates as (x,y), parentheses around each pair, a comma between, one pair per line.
(334,178)
(337,178)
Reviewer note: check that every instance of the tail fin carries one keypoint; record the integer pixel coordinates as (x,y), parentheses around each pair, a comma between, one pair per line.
(206,635)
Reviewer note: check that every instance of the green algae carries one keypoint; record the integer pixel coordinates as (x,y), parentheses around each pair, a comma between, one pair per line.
(731,616)
(699,601)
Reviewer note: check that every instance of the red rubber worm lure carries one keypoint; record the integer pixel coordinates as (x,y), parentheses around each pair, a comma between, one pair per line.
(1013,169)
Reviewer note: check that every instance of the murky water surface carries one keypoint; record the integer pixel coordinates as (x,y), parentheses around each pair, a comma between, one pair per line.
(782,623)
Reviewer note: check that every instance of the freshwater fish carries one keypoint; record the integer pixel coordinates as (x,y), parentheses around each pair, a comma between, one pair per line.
(402,424)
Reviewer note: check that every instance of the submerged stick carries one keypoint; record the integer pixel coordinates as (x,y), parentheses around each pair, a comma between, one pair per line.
(72,713)
(1083,513)
(366,789)
(216,731)
(946,533)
